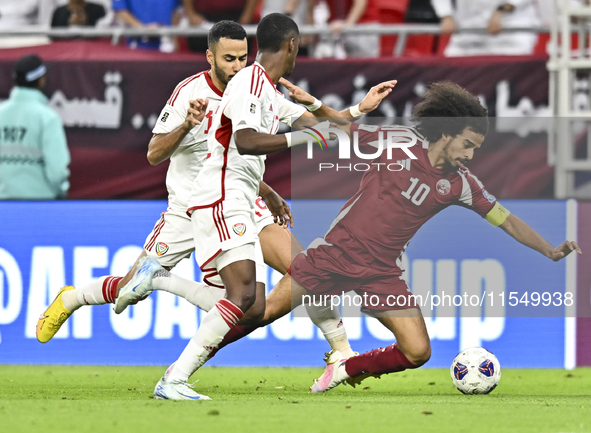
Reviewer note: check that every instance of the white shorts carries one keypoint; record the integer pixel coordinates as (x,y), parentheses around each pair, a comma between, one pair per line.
(171,239)
(224,234)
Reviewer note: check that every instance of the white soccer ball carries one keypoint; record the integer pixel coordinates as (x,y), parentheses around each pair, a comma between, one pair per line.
(475,371)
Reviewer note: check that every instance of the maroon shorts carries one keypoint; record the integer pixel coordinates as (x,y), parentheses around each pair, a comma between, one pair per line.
(379,293)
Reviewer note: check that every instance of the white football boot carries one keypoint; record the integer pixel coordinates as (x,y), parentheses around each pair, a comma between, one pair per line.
(139,286)
(176,391)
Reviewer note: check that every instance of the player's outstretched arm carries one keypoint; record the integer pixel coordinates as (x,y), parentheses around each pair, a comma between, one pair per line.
(373,99)
(523,233)
(162,146)
(250,142)
(278,207)
(317,109)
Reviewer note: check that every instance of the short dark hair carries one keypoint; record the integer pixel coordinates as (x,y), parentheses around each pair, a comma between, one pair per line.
(273,30)
(448,109)
(225,29)
(28,70)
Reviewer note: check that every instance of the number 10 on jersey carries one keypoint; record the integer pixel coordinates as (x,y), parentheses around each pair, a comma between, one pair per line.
(419,195)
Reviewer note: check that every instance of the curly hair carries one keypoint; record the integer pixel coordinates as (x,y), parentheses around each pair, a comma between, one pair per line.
(448,109)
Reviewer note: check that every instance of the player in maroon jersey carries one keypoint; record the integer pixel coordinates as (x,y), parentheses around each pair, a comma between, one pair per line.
(361,251)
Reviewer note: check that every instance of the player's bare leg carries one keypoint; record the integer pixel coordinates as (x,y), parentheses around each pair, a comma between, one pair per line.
(279,245)
(285,297)
(412,350)
(239,278)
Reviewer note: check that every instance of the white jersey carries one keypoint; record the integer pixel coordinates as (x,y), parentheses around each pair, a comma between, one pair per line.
(251,100)
(188,158)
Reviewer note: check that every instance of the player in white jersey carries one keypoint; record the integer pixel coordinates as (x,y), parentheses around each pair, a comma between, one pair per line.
(180,136)
(224,192)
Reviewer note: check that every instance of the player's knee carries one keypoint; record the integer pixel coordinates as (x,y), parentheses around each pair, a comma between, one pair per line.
(419,354)
(247,300)
(256,312)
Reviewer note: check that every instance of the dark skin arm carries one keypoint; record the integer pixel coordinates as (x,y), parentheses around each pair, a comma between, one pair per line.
(250,142)
(372,100)
(278,207)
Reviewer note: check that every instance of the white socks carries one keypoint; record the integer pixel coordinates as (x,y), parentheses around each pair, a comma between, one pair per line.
(214,327)
(199,294)
(329,321)
(103,291)
(89,294)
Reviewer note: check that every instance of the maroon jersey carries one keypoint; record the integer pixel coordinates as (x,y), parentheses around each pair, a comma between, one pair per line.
(377,223)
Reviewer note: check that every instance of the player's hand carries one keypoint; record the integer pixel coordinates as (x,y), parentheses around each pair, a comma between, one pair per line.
(196,112)
(564,250)
(376,95)
(280,210)
(297,94)
(447,25)
(495,24)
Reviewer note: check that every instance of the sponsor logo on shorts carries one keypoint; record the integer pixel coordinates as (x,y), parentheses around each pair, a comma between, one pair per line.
(239,228)
(161,248)
(491,198)
(253,108)
(443,187)
(164,117)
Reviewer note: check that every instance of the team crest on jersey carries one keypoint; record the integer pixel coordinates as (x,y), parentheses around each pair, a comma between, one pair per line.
(491,198)
(253,108)
(161,248)
(239,228)
(443,187)
(164,117)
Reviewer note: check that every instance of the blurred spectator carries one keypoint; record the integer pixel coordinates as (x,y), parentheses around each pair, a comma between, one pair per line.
(205,13)
(301,11)
(34,155)
(492,15)
(149,14)
(78,13)
(343,14)
(48,8)
(16,14)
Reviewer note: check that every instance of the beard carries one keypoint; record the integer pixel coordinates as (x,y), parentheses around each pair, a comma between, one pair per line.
(452,164)
(222,76)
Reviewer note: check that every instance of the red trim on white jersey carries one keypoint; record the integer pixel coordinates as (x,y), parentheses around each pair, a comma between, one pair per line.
(268,78)
(259,74)
(178,89)
(255,77)
(211,85)
(157,229)
(223,135)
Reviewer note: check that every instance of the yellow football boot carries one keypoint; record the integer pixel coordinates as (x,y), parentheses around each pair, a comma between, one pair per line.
(54,317)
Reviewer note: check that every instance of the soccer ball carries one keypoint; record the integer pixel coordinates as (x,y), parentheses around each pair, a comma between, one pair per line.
(475,371)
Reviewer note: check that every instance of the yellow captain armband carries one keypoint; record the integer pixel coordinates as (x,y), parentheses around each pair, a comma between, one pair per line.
(497,215)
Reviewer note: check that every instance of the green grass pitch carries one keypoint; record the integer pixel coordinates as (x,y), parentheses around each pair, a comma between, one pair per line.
(119,399)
